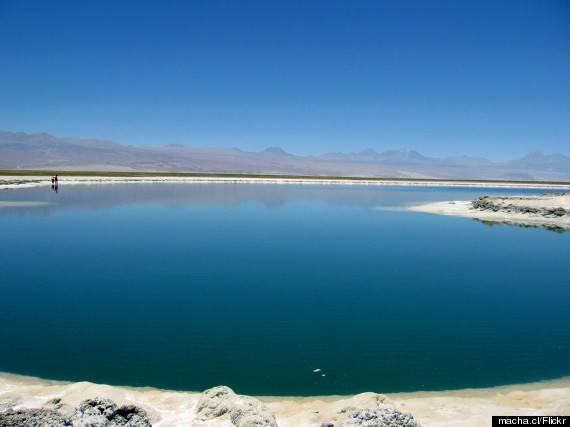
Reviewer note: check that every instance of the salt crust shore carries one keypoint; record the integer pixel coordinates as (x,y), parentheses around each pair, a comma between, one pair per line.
(469,407)
(509,210)
(35,181)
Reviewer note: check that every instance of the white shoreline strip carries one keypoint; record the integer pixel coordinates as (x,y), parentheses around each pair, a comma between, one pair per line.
(7,182)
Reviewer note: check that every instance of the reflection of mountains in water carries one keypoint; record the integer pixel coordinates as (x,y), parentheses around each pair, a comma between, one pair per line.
(550,227)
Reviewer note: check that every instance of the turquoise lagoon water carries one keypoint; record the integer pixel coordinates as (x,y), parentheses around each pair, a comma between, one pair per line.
(189,286)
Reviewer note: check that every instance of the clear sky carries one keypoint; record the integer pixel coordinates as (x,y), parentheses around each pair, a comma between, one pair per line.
(482,78)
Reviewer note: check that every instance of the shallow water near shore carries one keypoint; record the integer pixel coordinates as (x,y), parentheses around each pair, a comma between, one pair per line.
(277,290)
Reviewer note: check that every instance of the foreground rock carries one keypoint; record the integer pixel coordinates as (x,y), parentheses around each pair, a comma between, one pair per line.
(95,412)
(104,412)
(33,418)
(243,411)
(380,417)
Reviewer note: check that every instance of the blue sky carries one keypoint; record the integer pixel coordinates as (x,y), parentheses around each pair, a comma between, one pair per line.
(482,78)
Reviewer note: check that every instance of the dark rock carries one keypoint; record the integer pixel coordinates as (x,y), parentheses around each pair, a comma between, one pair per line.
(497,203)
(558,212)
(100,412)
(33,418)
(132,416)
(96,407)
(95,412)
(380,417)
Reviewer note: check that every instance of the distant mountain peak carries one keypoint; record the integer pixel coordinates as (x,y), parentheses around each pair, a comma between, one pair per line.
(403,151)
(402,154)
(535,155)
(274,150)
(369,151)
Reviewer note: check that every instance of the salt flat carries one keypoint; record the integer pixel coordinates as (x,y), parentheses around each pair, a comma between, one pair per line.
(33,181)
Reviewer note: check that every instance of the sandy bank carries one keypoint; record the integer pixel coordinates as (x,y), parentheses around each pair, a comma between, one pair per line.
(27,181)
(551,211)
(471,407)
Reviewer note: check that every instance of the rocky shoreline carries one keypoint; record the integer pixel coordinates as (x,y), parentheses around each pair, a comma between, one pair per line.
(27,401)
(550,211)
(525,204)
(218,406)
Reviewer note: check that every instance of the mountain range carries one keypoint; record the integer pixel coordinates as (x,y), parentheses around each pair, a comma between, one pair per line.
(41,151)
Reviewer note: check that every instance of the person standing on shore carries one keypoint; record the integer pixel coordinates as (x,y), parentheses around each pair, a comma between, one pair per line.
(54,183)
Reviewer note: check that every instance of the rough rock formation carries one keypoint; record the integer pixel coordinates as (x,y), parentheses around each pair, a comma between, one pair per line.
(95,412)
(104,412)
(33,418)
(243,411)
(380,417)
(543,205)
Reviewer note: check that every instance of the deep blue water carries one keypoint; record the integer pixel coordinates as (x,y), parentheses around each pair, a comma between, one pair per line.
(189,286)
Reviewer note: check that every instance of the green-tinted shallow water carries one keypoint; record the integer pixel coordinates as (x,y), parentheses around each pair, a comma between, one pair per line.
(189,286)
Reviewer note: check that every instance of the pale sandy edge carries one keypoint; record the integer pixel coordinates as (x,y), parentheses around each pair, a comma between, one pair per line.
(469,407)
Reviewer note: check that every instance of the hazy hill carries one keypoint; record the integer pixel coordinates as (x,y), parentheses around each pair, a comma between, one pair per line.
(44,151)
